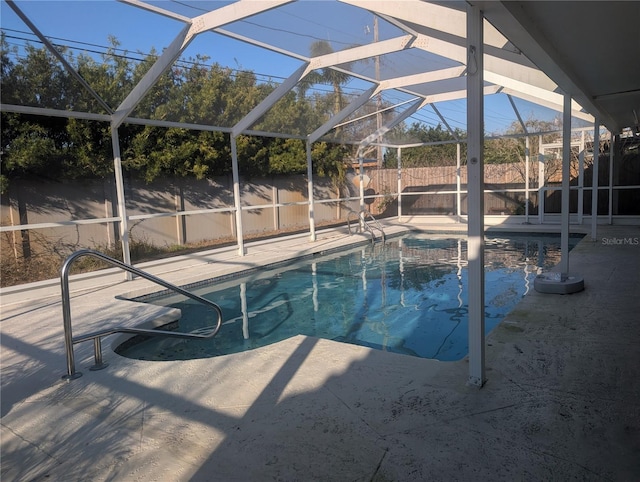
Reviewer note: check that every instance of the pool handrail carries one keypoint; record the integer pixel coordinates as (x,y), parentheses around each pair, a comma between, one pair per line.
(376,224)
(96,336)
(364,225)
(349,214)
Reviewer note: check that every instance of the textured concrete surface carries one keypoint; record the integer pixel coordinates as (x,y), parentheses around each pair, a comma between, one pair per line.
(562,399)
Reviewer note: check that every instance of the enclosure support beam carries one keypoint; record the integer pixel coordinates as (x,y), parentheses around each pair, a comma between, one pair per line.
(312,220)
(236,196)
(122,209)
(453,133)
(594,180)
(615,178)
(475,199)
(458,182)
(361,185)
(566,175)
(612,143)
(390,125)
(399,150)
(160,66)
(540,181)
(275,95)
(527,162)
(51,48)
(197,25)
(517,112)
(581,178)
(342,115)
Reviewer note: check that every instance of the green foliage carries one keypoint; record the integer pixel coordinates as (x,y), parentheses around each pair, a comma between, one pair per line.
(33,146)
(431,155)
(190,92)
(195,92)
(510,150)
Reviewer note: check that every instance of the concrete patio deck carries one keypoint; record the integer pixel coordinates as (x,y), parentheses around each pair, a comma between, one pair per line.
(562,400)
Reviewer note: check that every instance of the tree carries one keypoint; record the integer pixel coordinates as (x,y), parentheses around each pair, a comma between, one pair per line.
(328,75)
(190,92)
(431,155)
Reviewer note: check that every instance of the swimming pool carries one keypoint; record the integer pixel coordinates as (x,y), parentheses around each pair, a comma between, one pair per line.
(408,295)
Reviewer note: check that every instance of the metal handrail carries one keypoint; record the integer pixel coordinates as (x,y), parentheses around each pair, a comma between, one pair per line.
(66,313)
(364,225)
(376,223)
(349,219)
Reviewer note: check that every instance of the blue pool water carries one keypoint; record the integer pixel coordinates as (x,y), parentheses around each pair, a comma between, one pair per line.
(407,296)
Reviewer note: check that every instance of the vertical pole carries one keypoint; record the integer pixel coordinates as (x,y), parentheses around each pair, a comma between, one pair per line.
(312,221)
(361,183)
(611,156)
(616,166)
(581,179)
(66,319)
(527,159)
(379,158)
(236,196)
(566,174)
(540,181)
(458,184)
(122,209)
(475,197)
(107,213)
(275,200)
(594,179)
(399,184)
(181,222)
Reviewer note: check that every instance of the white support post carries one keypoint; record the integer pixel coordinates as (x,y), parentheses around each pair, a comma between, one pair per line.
(475,182)
(527,161)
(275,200)
(563,282)
(236,196)
(540,181)
(581,179)
(594,180)
(122,209)
(399,183)
(566,175)
(458,184)
(361,184)
(181,228)
(312,220)
(611,156)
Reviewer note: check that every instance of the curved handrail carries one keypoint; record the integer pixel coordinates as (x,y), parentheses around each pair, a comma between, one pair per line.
(66,311)
(349,219)
(363,214)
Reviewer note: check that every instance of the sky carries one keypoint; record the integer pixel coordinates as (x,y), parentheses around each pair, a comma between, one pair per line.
(87,25)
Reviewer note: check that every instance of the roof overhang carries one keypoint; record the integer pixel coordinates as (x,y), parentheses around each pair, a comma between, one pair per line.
(590,49)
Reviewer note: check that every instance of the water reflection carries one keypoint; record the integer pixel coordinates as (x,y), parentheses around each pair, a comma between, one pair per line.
(408,296)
